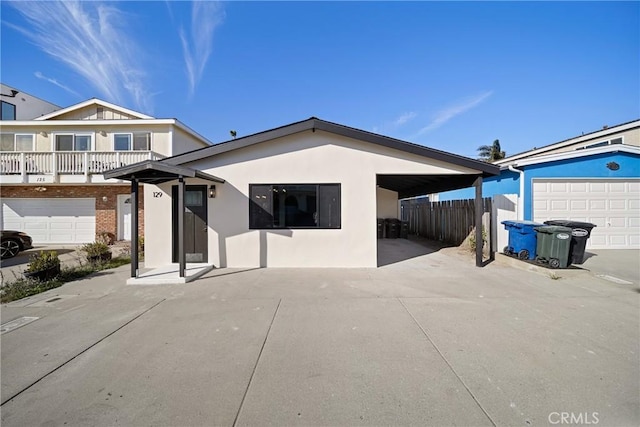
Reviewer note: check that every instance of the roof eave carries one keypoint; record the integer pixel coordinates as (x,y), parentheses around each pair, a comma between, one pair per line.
(313,124)
(142,169)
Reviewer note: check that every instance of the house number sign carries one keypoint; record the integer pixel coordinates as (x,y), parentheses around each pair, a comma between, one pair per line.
(157,194)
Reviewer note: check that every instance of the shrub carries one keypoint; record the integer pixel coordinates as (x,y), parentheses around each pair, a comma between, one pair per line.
(472,239)
(97,252)
(24,287)
(43,261)
(95,249)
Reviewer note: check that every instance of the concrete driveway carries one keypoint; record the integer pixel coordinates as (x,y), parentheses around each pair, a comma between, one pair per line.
(431,340)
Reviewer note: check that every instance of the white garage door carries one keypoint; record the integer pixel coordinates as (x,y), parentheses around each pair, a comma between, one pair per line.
(613,205)
(51,220)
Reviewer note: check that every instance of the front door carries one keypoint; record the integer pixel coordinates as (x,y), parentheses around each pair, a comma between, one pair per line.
(124,217)
(195,223)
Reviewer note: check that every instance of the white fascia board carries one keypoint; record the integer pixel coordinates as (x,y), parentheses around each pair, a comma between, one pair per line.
(91,102)
(582,138)
(577,154)
(93,123)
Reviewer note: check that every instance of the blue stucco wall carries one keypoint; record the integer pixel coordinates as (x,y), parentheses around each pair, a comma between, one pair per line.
(583,167)
(505,183)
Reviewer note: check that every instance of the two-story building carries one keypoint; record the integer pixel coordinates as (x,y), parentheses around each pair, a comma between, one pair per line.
(51,169)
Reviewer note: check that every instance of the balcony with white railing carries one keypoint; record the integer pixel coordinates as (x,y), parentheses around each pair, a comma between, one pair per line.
(65,166)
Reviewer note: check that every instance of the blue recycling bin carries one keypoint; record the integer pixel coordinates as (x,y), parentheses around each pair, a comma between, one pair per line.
(522,239)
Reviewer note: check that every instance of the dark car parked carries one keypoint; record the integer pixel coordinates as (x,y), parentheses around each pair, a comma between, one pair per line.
(14,242)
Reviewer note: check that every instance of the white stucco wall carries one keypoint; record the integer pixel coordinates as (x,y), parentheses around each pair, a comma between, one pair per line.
(183,142)
(387,203)
(312,158)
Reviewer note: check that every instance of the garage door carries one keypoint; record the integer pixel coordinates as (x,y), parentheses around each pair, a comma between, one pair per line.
(51,220)
(613,205)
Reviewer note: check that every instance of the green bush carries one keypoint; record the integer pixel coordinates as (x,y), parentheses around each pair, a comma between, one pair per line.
(472,239)
(43,261)
(24,287)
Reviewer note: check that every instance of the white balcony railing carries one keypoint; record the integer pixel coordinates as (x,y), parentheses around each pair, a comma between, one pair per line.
(69,162)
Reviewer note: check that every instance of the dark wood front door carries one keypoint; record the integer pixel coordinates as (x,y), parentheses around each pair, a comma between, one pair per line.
(195,223)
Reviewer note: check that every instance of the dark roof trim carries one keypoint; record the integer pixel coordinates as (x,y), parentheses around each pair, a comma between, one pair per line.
(153,171)
(313,124)
(552,146)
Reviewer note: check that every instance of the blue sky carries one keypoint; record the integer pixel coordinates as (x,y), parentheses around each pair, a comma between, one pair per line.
(448,75)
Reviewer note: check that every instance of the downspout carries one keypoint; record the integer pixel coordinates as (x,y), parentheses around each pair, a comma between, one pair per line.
(521,195)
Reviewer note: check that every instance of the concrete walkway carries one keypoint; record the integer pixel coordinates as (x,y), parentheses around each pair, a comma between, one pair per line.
(430,340)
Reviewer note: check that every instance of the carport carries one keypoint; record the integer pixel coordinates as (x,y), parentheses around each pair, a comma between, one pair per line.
(153,172)
(421,185)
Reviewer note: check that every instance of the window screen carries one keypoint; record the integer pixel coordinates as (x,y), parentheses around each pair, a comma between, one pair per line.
(24,142)
(142,141)
(6,141)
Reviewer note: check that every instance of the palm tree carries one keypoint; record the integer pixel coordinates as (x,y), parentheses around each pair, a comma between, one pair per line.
(491,153)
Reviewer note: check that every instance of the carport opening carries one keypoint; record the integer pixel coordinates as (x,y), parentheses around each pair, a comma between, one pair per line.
(396,245)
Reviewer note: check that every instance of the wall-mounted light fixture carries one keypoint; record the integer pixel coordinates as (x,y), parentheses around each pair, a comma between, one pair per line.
(103,133)
(43,133)
(613,166)
(40,189)
(104,198)
(212,191)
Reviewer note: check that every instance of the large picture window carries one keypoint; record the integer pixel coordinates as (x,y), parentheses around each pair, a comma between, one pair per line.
(294,206)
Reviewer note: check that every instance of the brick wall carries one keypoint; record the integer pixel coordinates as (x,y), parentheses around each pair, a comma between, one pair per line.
(106,211)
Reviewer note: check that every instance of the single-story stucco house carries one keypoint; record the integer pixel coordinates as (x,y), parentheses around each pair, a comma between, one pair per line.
(302,195)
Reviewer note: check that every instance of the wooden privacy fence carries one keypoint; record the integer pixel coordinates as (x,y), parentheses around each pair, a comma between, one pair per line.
(448,222)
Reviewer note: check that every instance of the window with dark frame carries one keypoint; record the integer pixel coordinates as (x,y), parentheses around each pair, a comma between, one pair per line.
(281,206)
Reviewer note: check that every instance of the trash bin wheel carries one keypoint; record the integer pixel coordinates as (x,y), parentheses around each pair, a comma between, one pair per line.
(523,254)
(506,250)
(539,260)
(554,263)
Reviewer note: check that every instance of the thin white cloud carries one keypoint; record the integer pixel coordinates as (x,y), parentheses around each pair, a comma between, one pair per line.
(400,121)
(53,81)
(91,38)
(197,45)
(448,113)
(405,118)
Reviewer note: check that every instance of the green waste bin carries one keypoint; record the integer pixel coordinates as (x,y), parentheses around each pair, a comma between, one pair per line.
(553,245)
